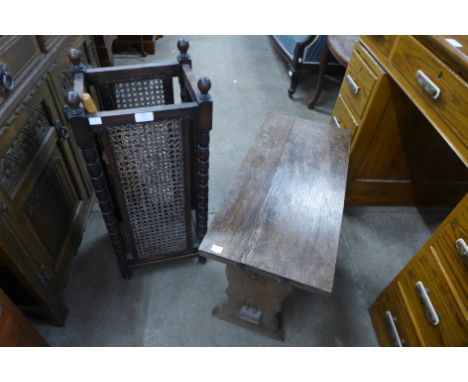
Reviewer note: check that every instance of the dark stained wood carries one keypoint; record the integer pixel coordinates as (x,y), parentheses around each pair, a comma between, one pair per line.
(15,329)
(282,214)
(341,47)
(254,302)
(104,49)
(131,217)
(45,192)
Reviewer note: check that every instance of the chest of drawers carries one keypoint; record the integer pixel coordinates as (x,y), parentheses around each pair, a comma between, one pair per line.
(405,97)
(426,304)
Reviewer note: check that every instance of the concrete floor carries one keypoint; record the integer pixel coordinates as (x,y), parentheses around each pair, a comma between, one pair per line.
(171,305)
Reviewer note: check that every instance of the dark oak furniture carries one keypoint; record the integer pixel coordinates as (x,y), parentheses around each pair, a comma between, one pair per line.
(104,52)
(15,329)
(340,48)
(145,43)
(279,224)
(45,191)
(147,156)
(409,120)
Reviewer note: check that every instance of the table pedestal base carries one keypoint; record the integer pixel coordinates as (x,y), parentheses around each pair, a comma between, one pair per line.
(254,302)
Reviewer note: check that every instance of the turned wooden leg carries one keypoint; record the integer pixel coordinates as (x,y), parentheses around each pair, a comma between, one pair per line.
(323,68)
(293,84)
(254,302)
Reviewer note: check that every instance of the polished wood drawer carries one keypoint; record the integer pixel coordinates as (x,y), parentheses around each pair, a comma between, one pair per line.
(433,288)
(18,53)
(393,303)
(380,44)
(358,83)
(342,116)
(440,91)
(445,246)
(440,313)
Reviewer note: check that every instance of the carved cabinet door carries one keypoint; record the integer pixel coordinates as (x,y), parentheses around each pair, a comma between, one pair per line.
(42,190)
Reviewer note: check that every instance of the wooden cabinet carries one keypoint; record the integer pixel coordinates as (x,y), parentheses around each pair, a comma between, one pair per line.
(405,98)
(15,329)
(442,93)
(407,148)
(45,192)
(428,301)
(19,54)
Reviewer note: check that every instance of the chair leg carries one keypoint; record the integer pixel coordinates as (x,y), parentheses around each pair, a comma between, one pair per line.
(323,68)
(293,84)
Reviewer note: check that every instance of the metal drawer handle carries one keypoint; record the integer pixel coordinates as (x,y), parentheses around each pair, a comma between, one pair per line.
(431,313)
(462,249)
(352,84)
(397,341)
(336,122)
(6,80)
(428,86)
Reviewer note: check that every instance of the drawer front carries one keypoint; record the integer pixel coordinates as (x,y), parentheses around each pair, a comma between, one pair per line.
(442,93)
(393,304)
(18,53)
(381,45)
(357,84)
(439,312)
(342,117)
(445,245)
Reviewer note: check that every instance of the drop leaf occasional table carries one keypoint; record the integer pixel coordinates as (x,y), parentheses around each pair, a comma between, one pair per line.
(279,225)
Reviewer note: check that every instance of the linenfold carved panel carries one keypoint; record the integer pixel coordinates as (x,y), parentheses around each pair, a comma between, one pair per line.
(52,205)
(22,149)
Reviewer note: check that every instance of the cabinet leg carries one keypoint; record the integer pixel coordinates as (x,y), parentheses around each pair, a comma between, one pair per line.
(57,315)
(254,302)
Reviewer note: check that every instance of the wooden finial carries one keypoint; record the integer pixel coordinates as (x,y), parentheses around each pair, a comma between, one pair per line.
(183,57)
(74,56)
(73,100)
(183,45)
(204,85)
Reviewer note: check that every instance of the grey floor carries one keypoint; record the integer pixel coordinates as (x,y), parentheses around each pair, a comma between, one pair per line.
(171,306)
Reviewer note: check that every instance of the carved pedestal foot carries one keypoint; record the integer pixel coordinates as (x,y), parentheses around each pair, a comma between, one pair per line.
(254,302)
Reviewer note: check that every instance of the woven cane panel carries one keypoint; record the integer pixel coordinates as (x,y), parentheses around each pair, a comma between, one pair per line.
(139,93)
(150,162)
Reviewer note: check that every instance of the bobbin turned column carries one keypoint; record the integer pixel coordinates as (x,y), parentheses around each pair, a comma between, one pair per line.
(184,59)
(85,139)
(203,140)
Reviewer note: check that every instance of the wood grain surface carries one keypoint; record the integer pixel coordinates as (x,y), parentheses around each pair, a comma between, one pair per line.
(282,214)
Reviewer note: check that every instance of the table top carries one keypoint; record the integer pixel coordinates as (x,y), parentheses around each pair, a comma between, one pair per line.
(282,214)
